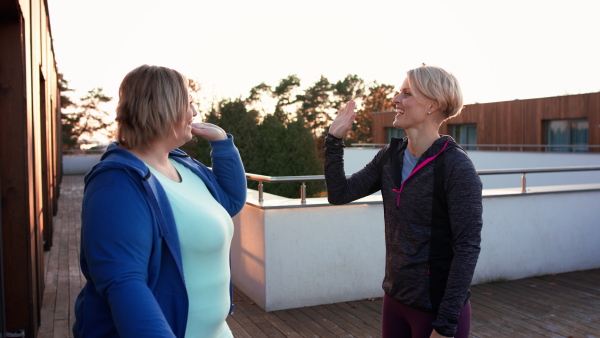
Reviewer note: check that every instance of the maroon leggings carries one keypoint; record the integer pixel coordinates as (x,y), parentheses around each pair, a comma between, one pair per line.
(401,321)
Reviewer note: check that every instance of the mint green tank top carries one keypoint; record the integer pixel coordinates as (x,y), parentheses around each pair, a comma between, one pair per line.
(205,231)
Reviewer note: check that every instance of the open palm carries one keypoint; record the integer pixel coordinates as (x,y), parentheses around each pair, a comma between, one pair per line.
(344,120)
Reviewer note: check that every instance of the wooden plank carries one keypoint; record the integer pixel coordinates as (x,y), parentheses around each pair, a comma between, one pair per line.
(484,312)
(318,323)
(363,313)
(559,298)
(248,325)
(296,320)
(527,306)
(236,328)
(281,325)
(256,315)
(343,324)
(369,326)
(375,304)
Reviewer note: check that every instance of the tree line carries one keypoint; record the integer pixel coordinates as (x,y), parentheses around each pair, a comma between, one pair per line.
(279,129)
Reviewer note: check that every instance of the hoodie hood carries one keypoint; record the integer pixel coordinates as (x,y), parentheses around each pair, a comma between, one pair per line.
(116,157)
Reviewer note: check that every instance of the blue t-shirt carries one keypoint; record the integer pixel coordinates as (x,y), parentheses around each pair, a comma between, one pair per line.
(205,231)
(408,165)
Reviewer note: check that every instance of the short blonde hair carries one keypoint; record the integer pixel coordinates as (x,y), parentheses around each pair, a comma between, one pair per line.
(438,85)
(153,101)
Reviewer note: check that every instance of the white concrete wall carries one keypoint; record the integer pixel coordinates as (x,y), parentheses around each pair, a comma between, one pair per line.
(248,254)
(294,256)
(531,235)
(79,164)
(319,253)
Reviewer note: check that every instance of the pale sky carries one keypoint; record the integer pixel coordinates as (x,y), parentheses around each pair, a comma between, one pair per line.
(499,50)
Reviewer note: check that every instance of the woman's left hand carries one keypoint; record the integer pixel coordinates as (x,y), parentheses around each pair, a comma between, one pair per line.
(209,131)
(434,334)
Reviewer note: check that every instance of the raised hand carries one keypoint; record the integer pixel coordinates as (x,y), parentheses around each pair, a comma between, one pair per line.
(343,121)
(208,131)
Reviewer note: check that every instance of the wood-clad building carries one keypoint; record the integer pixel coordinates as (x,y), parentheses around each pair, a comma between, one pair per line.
(30,159)
(571,120)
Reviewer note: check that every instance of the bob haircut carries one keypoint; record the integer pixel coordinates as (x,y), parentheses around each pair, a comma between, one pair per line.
(440,86)
(153,101)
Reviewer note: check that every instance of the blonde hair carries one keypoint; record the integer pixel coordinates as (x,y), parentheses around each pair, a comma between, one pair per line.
(153,101)
(438,85)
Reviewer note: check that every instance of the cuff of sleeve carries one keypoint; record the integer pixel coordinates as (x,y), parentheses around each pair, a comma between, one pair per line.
(445,330)
(331,140)
(222,145)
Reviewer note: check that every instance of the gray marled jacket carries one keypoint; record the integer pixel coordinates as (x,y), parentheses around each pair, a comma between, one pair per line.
(432,227)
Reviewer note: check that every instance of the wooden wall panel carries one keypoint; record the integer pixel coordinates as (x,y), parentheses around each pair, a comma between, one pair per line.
(29,156)
(519,121)
(14,161)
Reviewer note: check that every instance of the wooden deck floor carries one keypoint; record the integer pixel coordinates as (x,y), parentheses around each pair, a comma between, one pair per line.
(564,305)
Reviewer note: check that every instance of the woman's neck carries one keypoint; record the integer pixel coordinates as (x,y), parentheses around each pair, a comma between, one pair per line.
(420,140)
(158,158)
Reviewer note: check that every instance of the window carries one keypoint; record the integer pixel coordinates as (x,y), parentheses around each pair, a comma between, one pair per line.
(394,132)
(465,134)
(567,133)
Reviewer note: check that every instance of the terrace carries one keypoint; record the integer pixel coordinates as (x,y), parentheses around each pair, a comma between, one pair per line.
(538,273)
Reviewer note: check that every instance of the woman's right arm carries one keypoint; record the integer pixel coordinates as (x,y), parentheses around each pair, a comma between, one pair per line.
(342,190)
(117,241)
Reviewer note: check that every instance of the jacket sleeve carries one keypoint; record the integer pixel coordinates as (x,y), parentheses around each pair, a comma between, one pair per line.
(116,241)
(463,190)
(342,190)
(229,171)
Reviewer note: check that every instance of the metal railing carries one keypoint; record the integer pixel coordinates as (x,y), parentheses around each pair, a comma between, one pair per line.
(83,151)
(321,178)
(578,147)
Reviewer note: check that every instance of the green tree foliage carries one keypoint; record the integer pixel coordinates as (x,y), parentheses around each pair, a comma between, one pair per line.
(83,121)
(235,119)
(317,106)
(284,91)
(350,88)
(272,147)
(378,99)
(63,88)
(286,140)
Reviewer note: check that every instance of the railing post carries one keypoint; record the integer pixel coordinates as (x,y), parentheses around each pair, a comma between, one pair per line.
(523,183)
(303,193)
(260,192)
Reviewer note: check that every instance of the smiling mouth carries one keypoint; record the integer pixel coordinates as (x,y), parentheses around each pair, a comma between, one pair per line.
(399,111)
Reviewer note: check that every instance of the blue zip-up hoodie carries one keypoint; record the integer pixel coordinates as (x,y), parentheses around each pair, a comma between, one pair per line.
(130,252)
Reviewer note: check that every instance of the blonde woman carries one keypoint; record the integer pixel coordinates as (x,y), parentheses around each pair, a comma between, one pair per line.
(156,224)
(432,208)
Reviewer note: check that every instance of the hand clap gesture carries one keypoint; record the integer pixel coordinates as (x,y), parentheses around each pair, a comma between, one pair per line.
(343,121)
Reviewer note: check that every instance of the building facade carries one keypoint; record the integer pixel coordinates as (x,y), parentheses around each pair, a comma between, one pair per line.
(561,123)
(30,159)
